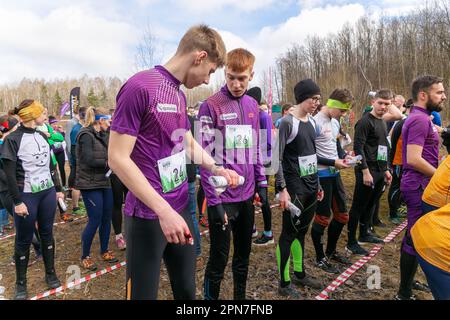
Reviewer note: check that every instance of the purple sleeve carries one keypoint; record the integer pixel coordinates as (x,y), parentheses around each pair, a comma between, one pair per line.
(417,132)
(260,177)
(207,143)
(266,123)
(132,105)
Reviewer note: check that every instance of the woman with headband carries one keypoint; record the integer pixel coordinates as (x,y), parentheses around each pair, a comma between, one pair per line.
(35,187)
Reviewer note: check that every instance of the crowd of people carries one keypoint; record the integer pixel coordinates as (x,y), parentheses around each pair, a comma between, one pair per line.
(154,152)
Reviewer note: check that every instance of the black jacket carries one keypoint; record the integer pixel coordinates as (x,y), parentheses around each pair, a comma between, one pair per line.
(92,160)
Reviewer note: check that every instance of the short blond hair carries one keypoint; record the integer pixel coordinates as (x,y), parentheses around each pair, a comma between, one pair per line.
(203,38)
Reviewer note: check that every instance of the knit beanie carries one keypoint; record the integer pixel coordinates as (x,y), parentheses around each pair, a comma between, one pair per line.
(255,93)
(305,89)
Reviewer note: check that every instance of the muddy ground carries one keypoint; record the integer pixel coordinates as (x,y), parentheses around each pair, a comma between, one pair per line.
(263,274)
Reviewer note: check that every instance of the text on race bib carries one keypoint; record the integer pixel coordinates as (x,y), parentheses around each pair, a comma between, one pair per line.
(238,136)
(172,171)
(41,182)
(382,154)
(307,165)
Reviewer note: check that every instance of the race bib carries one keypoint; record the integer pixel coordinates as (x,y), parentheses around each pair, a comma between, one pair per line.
(41,182)
(382,154)
(307,165)
(238,136)
(172,171)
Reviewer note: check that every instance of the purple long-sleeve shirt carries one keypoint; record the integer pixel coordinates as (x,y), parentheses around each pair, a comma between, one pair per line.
(265,123)
(222,114)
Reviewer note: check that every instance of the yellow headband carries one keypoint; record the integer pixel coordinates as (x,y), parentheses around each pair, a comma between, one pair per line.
(33,111)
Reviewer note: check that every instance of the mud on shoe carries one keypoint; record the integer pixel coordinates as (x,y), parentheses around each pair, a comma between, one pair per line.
(368,238)
(306,281)
(339,258)
(355,248)
(326,266)
(289,292)
(264,240)
(109,257)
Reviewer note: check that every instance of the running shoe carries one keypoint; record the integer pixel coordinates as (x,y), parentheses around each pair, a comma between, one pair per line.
(264,240)
(421,286)
(326,266)
(254,232)
(120,243)
(204,222)
(369,239)
(379,223)
(306,281)
(79,211)
(88,264)
(289,292)
(395,220)
(400,297)
(108,256)
(66,217)
(339,258)
(355,248)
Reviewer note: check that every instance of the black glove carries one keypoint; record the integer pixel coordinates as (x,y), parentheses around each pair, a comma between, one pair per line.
(216,215)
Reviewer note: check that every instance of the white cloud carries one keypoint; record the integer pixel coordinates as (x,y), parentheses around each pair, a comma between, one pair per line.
(67,42)
(205,6)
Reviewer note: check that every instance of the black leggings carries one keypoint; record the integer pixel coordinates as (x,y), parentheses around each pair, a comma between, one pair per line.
(241,216)
(73,167)
(41,208)
(334,201)
(364,202)
(200,200)
(395,195)
(6,202)
(146,246)
(61,159)
(267,213)
(289,233)
(119,193)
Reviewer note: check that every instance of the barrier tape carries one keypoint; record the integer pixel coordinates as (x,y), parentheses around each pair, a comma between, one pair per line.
(55,224)
(343,277)
(94,275)
(79,281)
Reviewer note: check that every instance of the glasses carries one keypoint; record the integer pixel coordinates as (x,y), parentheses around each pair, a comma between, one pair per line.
(315,99)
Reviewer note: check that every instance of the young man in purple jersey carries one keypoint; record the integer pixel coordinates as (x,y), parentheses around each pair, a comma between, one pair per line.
(147,152)
(232,115)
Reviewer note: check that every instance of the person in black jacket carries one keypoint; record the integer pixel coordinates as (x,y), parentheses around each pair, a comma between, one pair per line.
(372,174)
(34,186)
(92,180)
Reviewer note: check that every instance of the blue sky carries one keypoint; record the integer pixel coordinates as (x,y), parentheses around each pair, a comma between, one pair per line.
(59,39)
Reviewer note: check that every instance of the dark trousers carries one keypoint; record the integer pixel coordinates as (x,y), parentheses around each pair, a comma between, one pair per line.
(364,200)
(241,217)
(98,203)
(41,208)
(146,247)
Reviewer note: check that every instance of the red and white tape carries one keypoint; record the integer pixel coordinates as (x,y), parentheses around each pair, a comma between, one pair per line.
(343,277)
(94,275)
(79,281)
(55,224)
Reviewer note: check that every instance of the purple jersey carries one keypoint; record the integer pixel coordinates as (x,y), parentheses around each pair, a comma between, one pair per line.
(419,130)
(152,108)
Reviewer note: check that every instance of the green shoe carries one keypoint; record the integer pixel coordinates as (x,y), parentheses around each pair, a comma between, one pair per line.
(79,211)
(401,212)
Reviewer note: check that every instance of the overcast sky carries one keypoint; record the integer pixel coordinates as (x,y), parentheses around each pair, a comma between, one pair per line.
(60,39)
